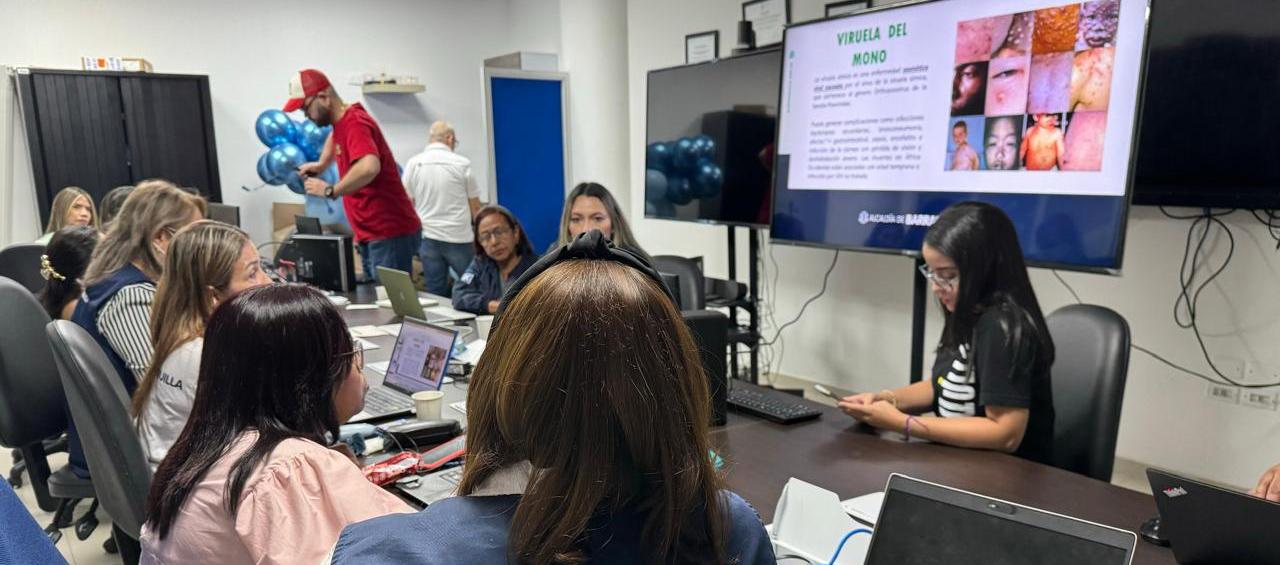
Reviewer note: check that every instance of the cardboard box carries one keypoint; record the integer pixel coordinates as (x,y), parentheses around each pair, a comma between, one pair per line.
(116,64)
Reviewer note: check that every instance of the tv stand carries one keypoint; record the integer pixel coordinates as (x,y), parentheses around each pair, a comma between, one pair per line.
(739,335)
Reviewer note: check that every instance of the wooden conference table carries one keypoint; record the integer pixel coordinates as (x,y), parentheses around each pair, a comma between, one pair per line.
(836,454)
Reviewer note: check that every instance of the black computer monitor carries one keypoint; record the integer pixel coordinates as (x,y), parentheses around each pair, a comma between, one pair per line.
(1209,117)
(307,225)
(709,140)
(224,213)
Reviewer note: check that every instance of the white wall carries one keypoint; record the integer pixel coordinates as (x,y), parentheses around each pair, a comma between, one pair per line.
(534,25)
(594,53)
(857,336)
(249,49)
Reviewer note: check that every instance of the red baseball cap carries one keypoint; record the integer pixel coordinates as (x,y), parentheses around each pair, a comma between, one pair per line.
(305,84)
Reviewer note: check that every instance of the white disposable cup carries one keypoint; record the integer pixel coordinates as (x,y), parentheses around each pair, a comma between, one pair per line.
(483,323)
(381,292)
(428,404)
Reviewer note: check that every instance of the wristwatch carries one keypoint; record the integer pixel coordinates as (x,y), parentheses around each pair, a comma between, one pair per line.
(328,192)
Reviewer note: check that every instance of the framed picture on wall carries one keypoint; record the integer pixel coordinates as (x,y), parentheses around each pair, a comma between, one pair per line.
(701,47)
(767,18)
(841,8)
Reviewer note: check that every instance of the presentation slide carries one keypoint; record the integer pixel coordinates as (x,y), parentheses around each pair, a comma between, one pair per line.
(999,96)
(889,116)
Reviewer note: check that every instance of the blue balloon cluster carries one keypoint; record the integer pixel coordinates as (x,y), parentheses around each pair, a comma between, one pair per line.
(678,172)
(290,145)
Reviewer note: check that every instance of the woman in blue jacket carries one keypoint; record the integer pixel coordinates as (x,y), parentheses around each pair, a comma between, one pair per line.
(503,253)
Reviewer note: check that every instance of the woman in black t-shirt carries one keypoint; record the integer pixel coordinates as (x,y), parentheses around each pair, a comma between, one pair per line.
(989,387)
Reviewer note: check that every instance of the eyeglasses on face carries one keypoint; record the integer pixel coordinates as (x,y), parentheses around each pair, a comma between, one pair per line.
(495,233)
(945,279)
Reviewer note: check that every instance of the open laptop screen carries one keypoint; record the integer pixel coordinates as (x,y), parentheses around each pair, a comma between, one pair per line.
(949,526)
(420,357)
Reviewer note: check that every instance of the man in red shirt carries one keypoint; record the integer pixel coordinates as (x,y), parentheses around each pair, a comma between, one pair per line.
(386,227)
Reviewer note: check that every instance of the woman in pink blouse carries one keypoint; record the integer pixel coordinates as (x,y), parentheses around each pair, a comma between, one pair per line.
(250,480)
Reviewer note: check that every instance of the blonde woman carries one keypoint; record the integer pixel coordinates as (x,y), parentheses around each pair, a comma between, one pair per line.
(207,263)
(71,207)
(120,282)
(590,206)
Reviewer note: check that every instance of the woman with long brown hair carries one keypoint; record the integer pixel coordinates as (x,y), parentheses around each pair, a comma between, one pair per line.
(590,206)
(207,263)
(119,284)
(587,437)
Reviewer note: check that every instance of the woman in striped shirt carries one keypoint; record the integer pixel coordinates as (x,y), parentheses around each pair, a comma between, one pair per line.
(990,384)
(120,282)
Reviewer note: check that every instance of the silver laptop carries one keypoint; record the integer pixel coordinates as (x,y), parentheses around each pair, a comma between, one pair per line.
(922,522)
(404,298)
(418,362)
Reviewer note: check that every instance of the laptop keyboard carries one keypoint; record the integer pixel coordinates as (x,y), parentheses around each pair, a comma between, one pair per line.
(380,401)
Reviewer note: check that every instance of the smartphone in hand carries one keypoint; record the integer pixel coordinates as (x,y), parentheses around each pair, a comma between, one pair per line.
(824,391)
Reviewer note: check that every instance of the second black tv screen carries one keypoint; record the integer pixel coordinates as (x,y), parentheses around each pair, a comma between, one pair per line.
(710,140)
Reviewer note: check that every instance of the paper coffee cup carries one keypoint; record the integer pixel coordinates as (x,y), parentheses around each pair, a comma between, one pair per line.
(428,404)
(483,323)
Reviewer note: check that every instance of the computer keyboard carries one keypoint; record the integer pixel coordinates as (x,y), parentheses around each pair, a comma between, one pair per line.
(771,405)
(379,400)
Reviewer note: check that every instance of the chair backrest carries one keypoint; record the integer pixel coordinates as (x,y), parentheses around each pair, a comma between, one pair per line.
(121,476)
(692,293)
(31,400)
(21,262)
(1089,372)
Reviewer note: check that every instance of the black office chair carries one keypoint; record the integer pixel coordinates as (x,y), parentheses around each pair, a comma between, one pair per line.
(1092,362)
(21,262)
(121,475)
(33,410)
(31,406)
(692,293)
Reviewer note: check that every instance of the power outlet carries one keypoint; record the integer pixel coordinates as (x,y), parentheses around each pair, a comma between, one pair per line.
(1224,393)
(1258,399)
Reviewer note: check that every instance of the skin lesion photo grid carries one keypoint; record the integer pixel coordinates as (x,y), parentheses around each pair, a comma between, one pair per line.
(1031,90)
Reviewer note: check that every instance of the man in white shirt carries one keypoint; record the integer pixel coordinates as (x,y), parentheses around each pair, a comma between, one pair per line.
(446,198)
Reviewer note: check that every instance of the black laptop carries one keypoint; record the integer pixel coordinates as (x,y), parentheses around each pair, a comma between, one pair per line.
(418,362)
(1209,524)
(922,522)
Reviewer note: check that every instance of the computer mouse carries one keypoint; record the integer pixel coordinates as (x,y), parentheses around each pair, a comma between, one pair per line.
(1150,531)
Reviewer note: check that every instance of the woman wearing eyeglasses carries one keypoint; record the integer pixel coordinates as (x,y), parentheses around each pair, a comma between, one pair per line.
(503,253)
(989,388)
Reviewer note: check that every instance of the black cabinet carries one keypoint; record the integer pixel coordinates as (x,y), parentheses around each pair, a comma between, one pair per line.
(101,130)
